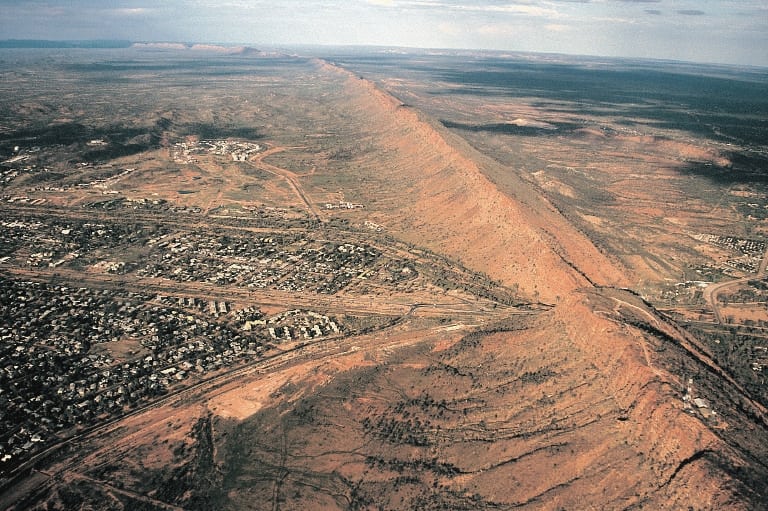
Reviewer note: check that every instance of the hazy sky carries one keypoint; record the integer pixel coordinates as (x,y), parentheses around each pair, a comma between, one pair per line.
(727,31)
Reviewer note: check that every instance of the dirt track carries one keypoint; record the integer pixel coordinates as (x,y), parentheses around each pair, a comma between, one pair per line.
(290,177)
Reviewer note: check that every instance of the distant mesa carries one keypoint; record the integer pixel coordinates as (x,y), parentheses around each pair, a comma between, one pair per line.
(161,46)
(119,43)
(217,48)
(43,43)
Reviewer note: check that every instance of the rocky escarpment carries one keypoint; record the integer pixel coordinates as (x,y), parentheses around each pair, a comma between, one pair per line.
(665,450)
(438,196)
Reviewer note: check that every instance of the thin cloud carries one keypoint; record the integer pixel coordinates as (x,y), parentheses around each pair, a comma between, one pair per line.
(654,12)
(520,7)
(529,10)
(691,12)
(554,27)
(131,11)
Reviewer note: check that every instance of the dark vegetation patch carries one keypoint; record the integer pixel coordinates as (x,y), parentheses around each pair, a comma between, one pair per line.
(751,484)
(725,104)
(115,151)
(538,376)
(218,66)
(745,168)
(733,349)
(616,85)
(218,131)
(43,177)
(54,134)
(120,140)
(195,484)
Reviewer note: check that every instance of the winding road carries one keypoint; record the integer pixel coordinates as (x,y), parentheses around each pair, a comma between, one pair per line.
(710,292)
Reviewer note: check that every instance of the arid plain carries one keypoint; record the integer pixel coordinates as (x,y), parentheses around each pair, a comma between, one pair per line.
(369,280)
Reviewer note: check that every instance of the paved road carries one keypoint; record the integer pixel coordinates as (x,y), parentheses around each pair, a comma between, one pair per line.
(710,292)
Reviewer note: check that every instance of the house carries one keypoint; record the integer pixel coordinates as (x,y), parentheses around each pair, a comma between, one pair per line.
(700,403)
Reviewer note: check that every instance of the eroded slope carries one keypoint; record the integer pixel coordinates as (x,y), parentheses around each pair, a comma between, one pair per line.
(432,192)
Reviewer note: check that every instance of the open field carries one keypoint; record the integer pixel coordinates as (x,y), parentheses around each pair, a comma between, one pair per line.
(380,282)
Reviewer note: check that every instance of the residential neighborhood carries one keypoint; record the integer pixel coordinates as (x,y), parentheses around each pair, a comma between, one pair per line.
(75,357)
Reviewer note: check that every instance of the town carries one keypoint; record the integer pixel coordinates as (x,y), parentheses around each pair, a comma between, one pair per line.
(76,355)
(184,152)
(57,374)
(752,252)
